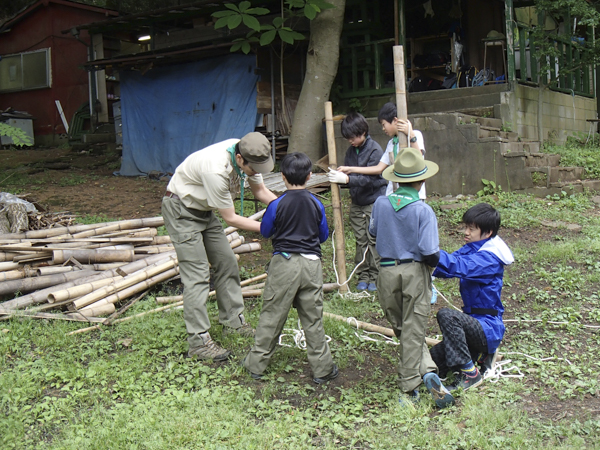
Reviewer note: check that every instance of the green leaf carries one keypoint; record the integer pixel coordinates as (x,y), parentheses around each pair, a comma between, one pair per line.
(258,11)
(246,48)
(310,11)
(244,6)
(219,14)
(232,6)
(235,47)
(278,22)
(221,22)
(234,22)
(251,22)
(268,37)
(295,3)
(321,4)
(266,27)
(297,36)
(286,36)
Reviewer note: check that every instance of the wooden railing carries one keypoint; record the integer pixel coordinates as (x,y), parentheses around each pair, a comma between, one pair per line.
(363,69)
(566,74)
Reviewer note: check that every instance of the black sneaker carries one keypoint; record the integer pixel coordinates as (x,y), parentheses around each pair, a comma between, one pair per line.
(485,362)
(467,381)
(440,394)
(334,374)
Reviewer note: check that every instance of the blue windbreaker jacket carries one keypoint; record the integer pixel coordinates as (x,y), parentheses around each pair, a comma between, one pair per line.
(480,267)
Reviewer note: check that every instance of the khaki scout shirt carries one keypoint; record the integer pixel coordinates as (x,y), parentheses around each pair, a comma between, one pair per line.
(202,181)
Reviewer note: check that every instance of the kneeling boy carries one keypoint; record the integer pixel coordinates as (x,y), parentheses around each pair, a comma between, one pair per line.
(475,333)
(297,224)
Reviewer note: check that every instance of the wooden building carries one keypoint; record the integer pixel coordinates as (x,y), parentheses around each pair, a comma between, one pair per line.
(41,65)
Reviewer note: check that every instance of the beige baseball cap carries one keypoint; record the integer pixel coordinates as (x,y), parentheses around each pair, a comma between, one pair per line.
(255,149)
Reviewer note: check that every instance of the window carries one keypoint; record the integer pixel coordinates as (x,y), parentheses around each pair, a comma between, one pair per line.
(25,71)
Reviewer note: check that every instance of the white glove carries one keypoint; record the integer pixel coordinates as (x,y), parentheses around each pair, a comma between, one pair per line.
(338,177)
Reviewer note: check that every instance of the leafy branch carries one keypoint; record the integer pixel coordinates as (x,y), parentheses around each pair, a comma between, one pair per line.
(17,135)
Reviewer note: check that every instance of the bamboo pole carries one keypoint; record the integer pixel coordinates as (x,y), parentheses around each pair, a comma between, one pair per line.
(122,310)
(336,200)
(160,240)
(58,231)
(252,293)
(7,256)
(247,248)
(92,256)
(41,296)
(71,317)
(80,289)
(136,288)
(8,265)
(237,242)
(23,272)
(49,270)
(127,281)
(254,286)
(32,284)
(400,82)
(100,310)
(232,236)
(374,328)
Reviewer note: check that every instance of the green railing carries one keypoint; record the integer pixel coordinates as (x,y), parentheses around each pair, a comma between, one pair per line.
(367,69)
(560,75)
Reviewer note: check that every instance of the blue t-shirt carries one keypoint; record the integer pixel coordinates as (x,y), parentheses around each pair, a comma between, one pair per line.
(409,233)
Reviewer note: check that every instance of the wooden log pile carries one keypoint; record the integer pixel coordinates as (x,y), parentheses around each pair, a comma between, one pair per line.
(83,271)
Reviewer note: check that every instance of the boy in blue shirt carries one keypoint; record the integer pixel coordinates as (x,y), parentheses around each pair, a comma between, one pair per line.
(364,190)
(407,241)
(475,333)
(297,224)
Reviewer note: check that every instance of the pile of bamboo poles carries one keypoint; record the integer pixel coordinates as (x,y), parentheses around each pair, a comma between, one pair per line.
(88,269)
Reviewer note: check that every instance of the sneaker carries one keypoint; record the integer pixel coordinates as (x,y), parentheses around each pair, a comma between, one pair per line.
(485,361)
(409,398)
(372,287)
(466,382)
(209,350)
(255,376)
(362,286)
(333,374)
(440,394)
(245,330)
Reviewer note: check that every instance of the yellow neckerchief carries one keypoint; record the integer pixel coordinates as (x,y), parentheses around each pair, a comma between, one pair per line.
(241,174)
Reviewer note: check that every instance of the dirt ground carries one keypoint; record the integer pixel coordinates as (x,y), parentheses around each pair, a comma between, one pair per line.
(83,183)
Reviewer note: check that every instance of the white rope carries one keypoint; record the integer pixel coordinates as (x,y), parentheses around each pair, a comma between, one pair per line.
(366,336)
(447,301)
(337,279)
(299,337)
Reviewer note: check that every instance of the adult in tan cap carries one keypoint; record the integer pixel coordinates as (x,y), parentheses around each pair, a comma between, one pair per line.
(209,180)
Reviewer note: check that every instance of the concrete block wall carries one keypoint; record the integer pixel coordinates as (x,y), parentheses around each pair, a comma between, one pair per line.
(563,114)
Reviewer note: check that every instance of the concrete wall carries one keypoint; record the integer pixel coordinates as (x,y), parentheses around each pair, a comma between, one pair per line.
(563,114)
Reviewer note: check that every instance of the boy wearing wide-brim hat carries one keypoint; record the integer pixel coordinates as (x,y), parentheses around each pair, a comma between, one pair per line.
(407,240)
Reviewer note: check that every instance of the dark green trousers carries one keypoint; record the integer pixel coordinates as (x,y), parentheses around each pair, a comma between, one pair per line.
(296,282)
(198,239)
(404,292)
(360,216)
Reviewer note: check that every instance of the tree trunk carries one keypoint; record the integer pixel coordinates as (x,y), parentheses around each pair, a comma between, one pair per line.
(321,68)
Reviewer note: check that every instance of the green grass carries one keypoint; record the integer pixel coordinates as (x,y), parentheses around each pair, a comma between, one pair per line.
(576,154)
(93,391)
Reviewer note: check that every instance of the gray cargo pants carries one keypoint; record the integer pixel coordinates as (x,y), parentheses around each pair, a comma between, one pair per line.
(198,239)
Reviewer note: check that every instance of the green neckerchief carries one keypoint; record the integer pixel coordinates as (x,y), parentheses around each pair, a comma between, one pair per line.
(242,175)
(395,142)
(404,195)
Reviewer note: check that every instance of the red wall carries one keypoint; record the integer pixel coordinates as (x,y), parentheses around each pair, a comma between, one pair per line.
(69,83)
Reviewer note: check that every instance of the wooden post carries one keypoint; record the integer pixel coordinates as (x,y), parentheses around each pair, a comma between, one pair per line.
(400,81)
(335,201)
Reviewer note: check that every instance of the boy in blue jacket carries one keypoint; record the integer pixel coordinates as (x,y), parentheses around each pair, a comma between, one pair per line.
(475,333)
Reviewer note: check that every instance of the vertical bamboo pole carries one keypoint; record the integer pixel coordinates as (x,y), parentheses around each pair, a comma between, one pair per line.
(335,201)
(401,108)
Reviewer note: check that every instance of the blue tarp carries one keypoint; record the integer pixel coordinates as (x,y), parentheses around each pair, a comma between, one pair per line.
(173,111)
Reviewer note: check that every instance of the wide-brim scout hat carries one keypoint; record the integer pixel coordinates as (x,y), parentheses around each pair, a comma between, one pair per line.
(255,149)
(409,167)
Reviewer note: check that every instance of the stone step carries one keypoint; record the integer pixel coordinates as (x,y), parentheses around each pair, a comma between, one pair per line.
(565,174)
(486,132)
(523,146)
(542,160)
(555,189)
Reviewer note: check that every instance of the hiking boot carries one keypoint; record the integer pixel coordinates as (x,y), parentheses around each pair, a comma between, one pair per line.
(441,395)
(333,374)
(465,381)
(372,287)
(209,350)
(409,398)
(362,286)
(245,330)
